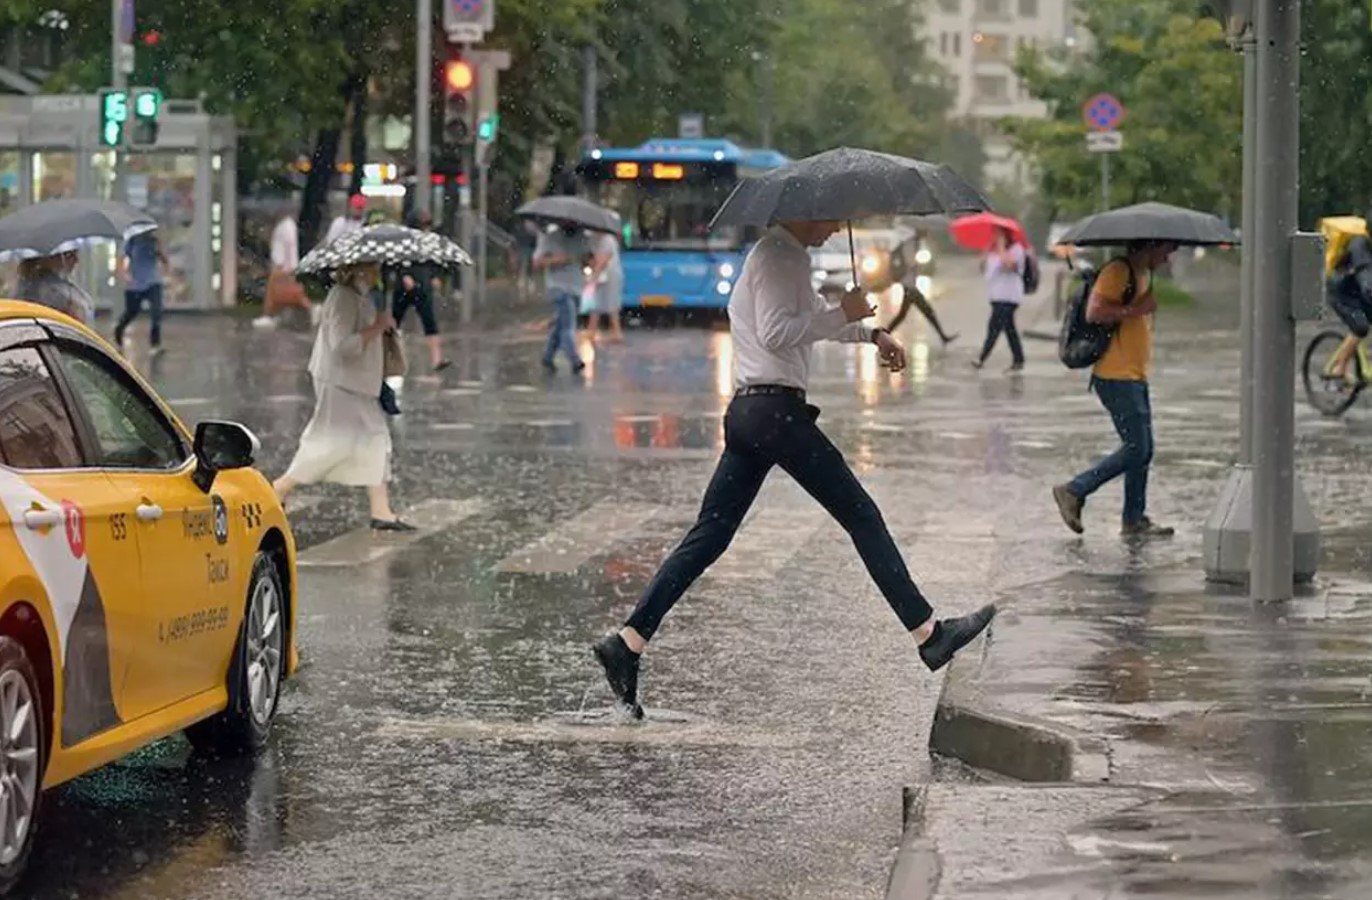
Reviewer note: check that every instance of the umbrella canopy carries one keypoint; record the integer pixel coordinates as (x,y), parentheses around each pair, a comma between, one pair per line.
(846,184)
(56,226)
(978,231)
(562,210)
(389,245)
(1150,222)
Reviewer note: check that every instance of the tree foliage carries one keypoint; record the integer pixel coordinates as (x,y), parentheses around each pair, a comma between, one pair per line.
(1181,86)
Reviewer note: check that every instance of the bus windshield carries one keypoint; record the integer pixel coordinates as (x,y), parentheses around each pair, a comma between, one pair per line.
(666,213)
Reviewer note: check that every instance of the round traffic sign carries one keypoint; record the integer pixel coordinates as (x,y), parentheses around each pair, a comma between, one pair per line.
(1103,112)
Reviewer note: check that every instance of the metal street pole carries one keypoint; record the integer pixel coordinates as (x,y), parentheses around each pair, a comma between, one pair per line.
(1104,181)
(1274,334)
(1248,222)
(423,75)
(482,210)
(119,81)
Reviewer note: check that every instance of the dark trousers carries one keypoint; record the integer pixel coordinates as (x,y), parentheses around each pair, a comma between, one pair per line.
(422,302)
(761,432)
(1003,319)
(913,297)
(1132,413)
(133,305)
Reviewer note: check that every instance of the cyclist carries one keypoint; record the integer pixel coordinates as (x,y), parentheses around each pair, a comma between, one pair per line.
(1350,296)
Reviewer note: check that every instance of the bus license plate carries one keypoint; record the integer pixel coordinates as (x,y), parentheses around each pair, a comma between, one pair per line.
(656,300)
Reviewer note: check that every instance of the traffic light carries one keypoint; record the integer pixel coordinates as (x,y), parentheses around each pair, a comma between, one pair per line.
(147,109)
(114,116)
(459,101)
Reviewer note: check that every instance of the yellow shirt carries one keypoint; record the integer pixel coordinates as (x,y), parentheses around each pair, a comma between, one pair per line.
(1130,353)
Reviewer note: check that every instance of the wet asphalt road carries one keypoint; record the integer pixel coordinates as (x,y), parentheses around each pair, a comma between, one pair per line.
(449,735)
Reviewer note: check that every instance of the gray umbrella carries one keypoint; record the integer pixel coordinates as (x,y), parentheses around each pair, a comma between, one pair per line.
(55,226)
(388,245)
(562,210)
(847,184)
(1150,222)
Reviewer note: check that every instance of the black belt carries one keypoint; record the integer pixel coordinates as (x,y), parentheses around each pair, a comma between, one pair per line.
(770,390)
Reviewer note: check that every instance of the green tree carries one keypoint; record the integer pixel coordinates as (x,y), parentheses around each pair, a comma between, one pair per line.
(1336,109)
(1182,88)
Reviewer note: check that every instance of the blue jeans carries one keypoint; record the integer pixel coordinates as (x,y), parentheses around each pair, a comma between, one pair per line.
(1130,410)
(761,432)
(562,329)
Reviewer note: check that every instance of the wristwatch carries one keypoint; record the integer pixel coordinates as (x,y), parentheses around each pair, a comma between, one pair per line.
(878,331)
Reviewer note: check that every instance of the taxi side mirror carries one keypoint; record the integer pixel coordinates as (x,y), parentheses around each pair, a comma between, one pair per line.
(219,447)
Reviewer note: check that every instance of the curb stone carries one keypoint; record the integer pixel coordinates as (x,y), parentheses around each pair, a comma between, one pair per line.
(917,868)
(969,726)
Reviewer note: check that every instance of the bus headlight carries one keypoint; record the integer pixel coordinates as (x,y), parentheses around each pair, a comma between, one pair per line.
(723,288)
(924,256)
(925,284)
(726,270)
(871,264)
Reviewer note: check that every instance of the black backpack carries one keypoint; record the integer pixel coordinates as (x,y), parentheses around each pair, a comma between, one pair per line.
(1083,343)
(1030,273)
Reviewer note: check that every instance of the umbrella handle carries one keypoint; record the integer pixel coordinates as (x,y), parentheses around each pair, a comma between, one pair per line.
(852,254)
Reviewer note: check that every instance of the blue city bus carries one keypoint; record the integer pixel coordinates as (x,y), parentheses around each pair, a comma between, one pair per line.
(666,191)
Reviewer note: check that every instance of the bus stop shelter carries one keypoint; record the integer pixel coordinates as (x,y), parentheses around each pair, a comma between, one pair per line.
(49,148)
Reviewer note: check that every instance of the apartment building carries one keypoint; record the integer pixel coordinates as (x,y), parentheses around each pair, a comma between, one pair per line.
(976,42)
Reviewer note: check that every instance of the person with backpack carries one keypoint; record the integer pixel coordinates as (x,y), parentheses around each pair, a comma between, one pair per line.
(1349,262)
(1120,303)
(1005,265)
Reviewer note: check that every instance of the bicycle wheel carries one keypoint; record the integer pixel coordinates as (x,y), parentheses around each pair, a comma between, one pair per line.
(1331,396)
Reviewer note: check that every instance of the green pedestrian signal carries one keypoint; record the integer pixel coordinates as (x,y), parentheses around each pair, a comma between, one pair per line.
(147,109)
(486,128)
(114,115)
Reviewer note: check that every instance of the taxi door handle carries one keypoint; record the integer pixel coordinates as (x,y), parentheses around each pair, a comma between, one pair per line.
(148,512)
(38,519)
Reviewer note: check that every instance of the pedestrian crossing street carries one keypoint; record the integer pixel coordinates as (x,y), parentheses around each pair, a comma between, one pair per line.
(785,528)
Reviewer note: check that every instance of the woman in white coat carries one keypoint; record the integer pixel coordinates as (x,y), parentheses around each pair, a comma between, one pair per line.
(347,440)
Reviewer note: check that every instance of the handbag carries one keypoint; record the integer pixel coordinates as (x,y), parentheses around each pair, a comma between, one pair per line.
(393,364)
(588,299)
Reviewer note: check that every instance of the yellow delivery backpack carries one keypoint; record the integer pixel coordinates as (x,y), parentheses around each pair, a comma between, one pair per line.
(1338,231)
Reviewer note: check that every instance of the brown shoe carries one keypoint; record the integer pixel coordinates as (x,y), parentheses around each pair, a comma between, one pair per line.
(1069,505)
(1146,528)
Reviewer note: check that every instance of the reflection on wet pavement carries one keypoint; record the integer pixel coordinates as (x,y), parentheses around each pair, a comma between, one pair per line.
(448,735)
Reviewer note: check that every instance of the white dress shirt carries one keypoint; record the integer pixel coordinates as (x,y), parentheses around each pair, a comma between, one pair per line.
(775,315)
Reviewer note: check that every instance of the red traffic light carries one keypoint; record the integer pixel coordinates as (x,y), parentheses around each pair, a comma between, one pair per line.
(459,75)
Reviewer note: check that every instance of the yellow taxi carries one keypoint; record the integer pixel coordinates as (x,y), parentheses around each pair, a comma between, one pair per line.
(147,574)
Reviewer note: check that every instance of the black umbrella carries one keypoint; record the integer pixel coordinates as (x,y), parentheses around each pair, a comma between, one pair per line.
(847,184)
(563,210)
(388,245)
(1150,222)
(55,226)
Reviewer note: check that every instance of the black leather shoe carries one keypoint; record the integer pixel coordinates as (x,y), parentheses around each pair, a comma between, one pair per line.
(621,671)
(392,525)
(951,635)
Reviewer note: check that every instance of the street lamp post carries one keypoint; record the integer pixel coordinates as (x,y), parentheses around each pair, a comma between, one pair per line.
(1262,530)
(423,66)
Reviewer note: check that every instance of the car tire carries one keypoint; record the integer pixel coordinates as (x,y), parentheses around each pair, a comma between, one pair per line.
(22,757)
(255,673)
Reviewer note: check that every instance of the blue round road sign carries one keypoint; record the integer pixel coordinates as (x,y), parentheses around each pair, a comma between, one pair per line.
(1103,112)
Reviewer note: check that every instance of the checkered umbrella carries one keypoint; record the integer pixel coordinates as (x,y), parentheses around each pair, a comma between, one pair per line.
(389,245)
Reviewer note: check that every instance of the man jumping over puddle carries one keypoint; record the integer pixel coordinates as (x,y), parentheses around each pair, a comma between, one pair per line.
(775,316)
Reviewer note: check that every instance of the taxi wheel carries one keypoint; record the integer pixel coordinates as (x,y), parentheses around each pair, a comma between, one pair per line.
(255,674)
(21,761)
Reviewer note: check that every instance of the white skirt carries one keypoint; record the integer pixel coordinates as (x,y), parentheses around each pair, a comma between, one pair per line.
(346,441)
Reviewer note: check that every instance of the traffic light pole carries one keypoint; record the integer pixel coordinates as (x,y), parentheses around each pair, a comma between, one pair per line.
(423,73)
(118,81)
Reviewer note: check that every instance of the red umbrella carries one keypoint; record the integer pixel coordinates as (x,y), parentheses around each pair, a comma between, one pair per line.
(976,232)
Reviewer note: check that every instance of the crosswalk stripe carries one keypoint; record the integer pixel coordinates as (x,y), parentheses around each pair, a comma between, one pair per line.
(362,546)
(577,540)
(782,519)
